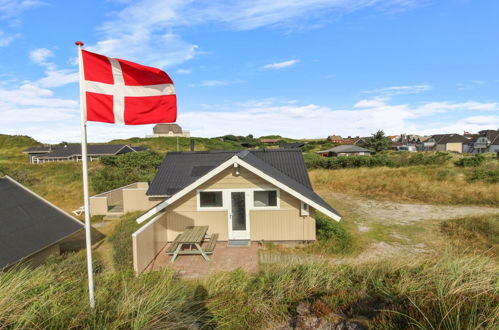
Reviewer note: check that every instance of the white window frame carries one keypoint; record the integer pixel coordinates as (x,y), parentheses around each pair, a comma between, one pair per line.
(263,208)
(211,208)
(226,199)
(304,209)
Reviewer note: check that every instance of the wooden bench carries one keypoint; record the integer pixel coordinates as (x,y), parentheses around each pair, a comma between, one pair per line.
(211,244)
(173,245)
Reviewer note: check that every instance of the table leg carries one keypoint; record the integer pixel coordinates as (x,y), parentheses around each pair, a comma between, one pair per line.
(175,254)
(202,252)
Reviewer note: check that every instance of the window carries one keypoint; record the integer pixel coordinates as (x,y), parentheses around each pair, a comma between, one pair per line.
(304,210)
(210,199)
(265,198)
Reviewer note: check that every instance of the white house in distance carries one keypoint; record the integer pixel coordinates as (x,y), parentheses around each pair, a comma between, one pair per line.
(486,141)
(160,130)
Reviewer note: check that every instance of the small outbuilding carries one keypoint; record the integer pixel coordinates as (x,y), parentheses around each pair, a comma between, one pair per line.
(32,228)
(173,129)
(345,150)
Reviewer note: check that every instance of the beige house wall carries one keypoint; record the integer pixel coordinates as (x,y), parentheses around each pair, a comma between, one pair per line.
(457,147)
(148,242)
(98,205)
(283,224)
(133,197)
(136,200)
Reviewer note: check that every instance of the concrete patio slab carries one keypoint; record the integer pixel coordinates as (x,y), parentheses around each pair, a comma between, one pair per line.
(224,258)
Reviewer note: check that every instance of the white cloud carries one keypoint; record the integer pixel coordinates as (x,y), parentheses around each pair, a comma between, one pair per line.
(13,8)
(35,111)
(143,30)
(54,77)
(10,12)
(400,90)
(40,55)
(57,78)
(216,83)
(281,65)
(183,71)
(6,39)
(312,120)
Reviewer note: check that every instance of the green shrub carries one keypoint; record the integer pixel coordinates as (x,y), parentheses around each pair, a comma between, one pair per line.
(124,169)
(474,161)
(389,159)
(488,173)
(332,236)
(121,240)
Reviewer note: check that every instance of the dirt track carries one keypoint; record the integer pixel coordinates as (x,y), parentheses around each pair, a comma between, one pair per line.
(402,213)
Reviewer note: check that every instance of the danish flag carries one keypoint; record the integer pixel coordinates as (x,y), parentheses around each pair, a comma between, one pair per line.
(123,92)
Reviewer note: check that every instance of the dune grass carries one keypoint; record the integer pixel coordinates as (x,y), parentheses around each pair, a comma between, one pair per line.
(450,291)
(479,232)
(422,184)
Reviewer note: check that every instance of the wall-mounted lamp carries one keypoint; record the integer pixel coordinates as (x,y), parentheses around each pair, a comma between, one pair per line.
(236,172)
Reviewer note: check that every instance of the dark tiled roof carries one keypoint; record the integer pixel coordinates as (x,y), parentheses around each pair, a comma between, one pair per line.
(92,149)
(346,148)
(166,128)
(29,223)
(179,169)
(139,148)
(449,138)
(286,145)
(37,149)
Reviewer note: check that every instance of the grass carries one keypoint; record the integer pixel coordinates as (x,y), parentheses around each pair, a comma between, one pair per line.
(448,291)
(480,232)
(420,184)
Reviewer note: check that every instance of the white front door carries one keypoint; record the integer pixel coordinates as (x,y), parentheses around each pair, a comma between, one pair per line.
(238,215)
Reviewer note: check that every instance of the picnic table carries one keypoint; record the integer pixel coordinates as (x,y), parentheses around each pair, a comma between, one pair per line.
(192,236)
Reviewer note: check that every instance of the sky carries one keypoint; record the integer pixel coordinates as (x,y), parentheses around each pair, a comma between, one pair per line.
(300,69)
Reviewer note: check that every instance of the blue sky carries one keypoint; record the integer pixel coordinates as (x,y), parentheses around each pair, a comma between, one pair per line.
(302,69)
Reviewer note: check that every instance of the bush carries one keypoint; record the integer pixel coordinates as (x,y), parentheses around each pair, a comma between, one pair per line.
(389,159)
(475,161)
(332,236)
(488,173)
(125,169)
(121,240)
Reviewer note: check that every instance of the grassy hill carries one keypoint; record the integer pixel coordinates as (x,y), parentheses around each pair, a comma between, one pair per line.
(11,146)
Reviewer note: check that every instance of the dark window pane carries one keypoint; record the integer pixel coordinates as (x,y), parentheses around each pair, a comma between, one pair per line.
(265,198)
(210,199)
(238,211)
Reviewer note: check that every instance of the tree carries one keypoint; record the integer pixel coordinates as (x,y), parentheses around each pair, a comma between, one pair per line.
(378,142)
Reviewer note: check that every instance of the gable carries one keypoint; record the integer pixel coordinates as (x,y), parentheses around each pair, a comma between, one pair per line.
(257,167)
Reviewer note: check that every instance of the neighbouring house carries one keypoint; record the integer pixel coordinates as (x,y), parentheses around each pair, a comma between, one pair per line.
(243,196)
(116,202)
(348,140)
(32,228)
(160,130)
(485,141)
(445,142)
(393,138)
(72,152)
(269,141)
(291,145)
(345,150)
(335,139)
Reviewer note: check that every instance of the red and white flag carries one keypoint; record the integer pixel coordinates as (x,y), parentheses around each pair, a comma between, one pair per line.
(123,92)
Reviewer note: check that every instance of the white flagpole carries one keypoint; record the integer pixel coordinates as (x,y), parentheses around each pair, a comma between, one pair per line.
(84,162)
